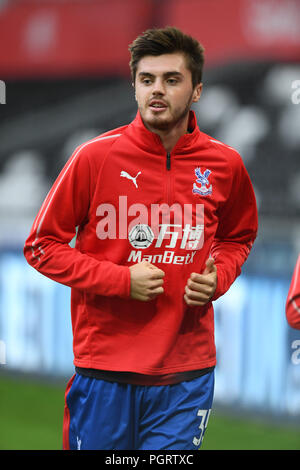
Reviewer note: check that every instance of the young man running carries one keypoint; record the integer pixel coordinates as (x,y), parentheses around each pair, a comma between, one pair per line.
(166,217)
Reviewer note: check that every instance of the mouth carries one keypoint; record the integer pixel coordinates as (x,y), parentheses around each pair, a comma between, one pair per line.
(157,106)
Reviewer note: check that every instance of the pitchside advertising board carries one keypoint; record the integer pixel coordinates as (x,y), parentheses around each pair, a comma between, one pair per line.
(258,353)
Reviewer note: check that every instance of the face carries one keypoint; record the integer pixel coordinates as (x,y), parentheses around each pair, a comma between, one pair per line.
(164,91)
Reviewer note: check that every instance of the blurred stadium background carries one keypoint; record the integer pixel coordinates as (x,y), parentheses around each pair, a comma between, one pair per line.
(65,78)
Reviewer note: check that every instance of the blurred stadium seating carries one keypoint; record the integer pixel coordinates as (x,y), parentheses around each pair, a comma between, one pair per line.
(59,95)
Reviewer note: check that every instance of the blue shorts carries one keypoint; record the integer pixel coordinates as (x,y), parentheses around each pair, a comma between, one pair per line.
(102,415)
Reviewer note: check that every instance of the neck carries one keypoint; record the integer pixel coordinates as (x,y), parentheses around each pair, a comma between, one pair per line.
(170,137)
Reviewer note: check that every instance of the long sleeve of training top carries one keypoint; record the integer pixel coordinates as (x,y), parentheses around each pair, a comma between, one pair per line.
(237,228)
(293,299)
(66,207)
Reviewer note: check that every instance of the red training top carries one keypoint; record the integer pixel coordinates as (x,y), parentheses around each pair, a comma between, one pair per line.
(129,202)
(293,299)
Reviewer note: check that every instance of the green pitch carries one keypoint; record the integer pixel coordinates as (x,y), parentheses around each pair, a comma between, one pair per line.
(31,419)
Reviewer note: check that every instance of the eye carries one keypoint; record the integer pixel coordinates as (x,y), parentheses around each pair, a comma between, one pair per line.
(172,81)
(146,81)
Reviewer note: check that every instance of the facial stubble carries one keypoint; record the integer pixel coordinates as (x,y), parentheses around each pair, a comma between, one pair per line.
(164,125)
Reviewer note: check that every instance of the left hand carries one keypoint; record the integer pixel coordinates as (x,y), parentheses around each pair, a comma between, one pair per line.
(200,288)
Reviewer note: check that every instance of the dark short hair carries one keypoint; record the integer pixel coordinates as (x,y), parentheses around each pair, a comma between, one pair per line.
(169,40)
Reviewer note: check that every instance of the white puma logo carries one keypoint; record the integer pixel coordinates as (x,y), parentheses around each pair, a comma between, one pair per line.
(126,175)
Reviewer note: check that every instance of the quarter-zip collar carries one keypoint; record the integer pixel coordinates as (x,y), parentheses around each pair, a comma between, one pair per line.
(149,140)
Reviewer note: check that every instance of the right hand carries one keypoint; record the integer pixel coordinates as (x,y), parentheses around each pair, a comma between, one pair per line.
(146,281)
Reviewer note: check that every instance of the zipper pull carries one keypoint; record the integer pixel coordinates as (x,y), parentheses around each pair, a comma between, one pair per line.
(168,161)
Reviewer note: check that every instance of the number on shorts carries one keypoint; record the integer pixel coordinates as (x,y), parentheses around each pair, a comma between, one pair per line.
(203,424)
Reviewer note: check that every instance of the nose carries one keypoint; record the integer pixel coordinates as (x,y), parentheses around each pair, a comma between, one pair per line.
(158,87)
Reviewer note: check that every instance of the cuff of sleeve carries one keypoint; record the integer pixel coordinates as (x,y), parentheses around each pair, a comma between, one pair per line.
(220,288)
(127,283)
(122,282)
(115,281)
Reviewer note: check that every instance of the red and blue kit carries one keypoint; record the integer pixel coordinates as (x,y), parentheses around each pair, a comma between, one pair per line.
(127,200)
(293,299)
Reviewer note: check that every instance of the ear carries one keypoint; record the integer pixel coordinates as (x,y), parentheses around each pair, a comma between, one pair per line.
(133,86)
(197,92)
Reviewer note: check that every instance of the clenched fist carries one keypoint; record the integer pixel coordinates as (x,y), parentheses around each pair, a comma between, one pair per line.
(146,281)
(201,287)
